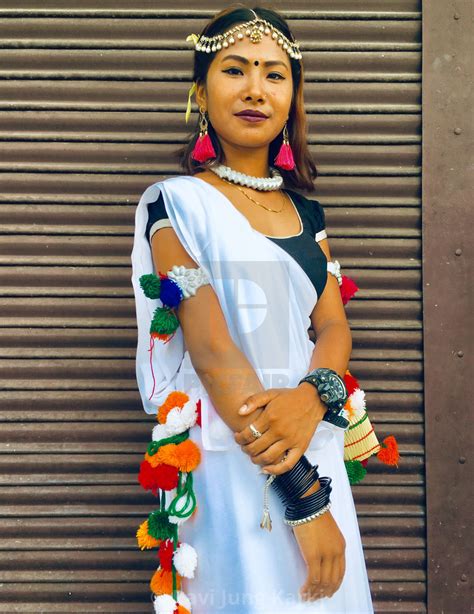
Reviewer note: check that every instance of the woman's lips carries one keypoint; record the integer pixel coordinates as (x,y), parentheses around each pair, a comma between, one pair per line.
(251,118)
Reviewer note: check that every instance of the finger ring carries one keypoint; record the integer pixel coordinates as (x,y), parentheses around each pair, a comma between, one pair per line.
(284,458)
(255,432)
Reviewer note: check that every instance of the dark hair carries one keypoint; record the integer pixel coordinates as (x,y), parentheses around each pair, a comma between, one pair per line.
(304,173)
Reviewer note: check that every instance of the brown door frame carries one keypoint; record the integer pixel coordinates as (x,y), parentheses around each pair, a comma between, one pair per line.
(447,232)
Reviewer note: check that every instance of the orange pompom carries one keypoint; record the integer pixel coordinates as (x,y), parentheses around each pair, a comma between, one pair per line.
(146,541)
(174,399)
(188,455)
(185,456)
(388,453)
(165,455)
(152,459)
(181,610)
(162,582)
(163,413)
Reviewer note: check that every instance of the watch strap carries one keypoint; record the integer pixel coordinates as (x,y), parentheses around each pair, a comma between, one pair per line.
(336,419)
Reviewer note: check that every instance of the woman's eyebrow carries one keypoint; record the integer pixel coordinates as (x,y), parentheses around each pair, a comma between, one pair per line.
(240,58)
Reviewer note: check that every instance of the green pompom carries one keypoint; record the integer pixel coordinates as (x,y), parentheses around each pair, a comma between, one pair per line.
(355,471)
(151,285)
(164,321)
(159,525)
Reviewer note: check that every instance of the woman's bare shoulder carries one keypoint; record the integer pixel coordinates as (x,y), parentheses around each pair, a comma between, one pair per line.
(207,176)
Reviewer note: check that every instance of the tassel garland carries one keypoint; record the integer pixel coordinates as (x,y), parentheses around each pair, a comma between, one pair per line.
(167,472)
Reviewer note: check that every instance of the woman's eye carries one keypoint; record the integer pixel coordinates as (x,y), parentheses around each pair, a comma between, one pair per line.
(270,75)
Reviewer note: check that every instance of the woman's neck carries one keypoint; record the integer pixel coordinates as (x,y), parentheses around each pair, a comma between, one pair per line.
(253,163)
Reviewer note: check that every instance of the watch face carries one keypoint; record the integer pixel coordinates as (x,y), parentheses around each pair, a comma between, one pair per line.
(332,391)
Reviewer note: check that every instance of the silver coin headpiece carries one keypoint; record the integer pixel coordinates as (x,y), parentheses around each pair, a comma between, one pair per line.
(255,29)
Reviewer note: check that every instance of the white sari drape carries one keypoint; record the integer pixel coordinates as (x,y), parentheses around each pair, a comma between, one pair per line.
(266,298)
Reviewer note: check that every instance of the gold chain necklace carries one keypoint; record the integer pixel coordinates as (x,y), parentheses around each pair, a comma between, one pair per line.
(252,199)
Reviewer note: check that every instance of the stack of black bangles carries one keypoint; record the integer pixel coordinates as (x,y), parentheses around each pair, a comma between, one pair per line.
(290,487)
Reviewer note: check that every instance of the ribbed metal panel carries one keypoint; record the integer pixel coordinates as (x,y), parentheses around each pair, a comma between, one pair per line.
(92,101)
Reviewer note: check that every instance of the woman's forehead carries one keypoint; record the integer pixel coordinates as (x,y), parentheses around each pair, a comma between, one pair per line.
(265,52)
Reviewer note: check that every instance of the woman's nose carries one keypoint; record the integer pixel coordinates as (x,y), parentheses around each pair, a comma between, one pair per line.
(255,88)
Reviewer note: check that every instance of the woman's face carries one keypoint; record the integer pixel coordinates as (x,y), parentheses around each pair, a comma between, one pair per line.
(261,80)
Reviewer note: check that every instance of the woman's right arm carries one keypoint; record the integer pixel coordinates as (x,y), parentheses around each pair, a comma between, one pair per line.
(222,367)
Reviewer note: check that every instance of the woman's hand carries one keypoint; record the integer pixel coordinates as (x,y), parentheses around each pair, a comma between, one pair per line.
(323,548)
(287,425)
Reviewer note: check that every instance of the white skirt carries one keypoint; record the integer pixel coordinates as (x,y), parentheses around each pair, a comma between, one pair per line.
(243,569)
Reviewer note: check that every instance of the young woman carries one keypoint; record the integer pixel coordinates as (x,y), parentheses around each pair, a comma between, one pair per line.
(254,257)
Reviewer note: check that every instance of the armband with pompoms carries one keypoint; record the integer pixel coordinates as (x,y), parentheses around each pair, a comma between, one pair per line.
(179,283)
(347,286)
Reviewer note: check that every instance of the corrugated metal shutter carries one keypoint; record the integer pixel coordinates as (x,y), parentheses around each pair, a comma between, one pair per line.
(92,98)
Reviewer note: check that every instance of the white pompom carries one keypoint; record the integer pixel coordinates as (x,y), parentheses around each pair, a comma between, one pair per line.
(159,432)
(174,424)
(189,413)
(185,560)
(164,604)
(183,600)
(180,419)
(358,400)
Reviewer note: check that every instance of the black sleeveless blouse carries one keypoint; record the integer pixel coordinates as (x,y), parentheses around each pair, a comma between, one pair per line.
(303,247)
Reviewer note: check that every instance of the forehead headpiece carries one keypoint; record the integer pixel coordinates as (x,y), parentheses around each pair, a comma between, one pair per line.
(255,29)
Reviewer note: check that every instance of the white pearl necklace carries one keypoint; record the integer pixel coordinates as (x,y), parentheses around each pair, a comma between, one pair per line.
(265,184)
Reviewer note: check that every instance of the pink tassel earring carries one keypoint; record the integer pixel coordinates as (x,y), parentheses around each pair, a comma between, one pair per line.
(203,149)
(285,158)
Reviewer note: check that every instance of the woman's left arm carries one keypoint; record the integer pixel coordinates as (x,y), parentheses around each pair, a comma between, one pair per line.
(292,415)
(333,336)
